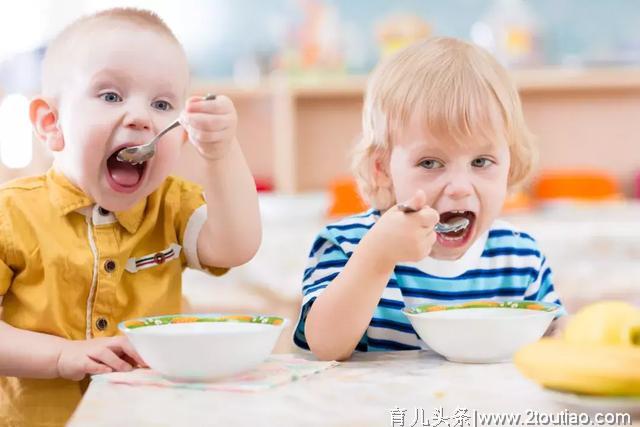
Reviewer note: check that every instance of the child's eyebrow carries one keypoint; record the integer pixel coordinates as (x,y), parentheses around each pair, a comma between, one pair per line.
(110,74)
(423,147)
(168,92)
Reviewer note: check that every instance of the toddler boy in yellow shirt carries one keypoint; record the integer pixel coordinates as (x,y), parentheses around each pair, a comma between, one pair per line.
(96,241)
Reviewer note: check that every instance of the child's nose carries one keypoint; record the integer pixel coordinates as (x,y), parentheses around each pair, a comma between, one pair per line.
(458,186)
(137,118)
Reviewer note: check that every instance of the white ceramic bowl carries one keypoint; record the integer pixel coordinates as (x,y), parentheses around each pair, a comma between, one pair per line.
(203,347)
(481,331)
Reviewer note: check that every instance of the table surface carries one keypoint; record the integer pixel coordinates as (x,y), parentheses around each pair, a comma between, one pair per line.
(372,389)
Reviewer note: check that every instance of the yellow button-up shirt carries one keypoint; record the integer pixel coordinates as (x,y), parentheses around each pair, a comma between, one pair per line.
(72,269)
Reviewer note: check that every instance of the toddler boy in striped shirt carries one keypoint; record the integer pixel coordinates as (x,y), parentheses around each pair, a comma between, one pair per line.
(444,134)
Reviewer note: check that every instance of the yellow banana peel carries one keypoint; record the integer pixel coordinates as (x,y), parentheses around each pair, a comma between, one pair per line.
(596,369)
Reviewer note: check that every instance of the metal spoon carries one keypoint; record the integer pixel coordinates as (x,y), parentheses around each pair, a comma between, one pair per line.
(456,225)
(141,153)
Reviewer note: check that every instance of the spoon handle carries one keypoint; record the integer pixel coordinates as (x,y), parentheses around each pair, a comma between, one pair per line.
(173,125)
(176,122)
(405,208)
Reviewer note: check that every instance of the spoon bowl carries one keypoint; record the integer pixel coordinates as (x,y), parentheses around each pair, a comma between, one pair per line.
(441,227)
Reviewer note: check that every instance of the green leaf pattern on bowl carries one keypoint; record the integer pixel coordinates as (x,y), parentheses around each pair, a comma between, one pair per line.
(165,320)
(527,305)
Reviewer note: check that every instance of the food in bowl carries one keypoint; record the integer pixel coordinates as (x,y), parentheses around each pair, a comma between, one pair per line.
(203,347)
(481,331)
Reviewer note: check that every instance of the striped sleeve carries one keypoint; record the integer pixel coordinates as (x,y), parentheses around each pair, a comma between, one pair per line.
(542,289)
(326,261)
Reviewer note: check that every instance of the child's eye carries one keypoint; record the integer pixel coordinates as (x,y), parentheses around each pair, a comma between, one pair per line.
(111,97)
(431,164)
(481,162)
(162,105)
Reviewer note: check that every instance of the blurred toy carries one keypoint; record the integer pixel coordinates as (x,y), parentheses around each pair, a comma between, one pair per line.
(577,185)
(345,199)
(511,32)
(315,46)
(398,31)
(517,202)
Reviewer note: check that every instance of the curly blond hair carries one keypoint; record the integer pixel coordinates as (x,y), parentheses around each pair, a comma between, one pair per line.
(461,93)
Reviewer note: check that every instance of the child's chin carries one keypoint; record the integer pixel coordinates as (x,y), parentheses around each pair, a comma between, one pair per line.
(451,253)
(447,254)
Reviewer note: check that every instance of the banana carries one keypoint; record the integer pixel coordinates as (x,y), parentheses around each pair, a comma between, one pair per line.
(596,369)
(605,322)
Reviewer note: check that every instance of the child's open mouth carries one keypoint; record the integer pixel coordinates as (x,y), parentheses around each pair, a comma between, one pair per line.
(123,176)
(458,238)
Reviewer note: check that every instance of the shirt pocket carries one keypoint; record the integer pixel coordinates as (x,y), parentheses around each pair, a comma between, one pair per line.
(172,252)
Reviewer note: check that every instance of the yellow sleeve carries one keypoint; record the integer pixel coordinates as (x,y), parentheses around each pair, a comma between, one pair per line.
(6,277)
(6,274)
(189,221)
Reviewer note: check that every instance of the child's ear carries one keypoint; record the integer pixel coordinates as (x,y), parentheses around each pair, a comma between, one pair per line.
(44,118)
(382,176)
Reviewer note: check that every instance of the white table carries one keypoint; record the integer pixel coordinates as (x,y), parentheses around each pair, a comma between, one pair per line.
(370,390)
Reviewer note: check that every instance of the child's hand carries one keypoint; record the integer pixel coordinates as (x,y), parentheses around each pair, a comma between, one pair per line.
(557,327)
(96,356)
(399,236)
(210,124)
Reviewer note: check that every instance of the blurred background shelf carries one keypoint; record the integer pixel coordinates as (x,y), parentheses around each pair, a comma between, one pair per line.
(298,134)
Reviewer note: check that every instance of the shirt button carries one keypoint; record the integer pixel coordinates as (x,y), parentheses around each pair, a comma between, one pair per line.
(109,265)
(159,258)
(101,323)
(103,211)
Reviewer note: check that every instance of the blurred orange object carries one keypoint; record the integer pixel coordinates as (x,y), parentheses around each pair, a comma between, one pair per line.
(517,202)
(345,199)
(580,185)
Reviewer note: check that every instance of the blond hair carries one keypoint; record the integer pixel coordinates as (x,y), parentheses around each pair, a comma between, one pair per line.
(461,92)
(62,45)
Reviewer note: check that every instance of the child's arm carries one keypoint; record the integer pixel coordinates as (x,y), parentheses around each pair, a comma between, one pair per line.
(232,233)
(340,315)
(30,354)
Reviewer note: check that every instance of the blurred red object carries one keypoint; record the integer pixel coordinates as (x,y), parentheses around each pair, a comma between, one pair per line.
(579,185)
(637,183)
(263,184)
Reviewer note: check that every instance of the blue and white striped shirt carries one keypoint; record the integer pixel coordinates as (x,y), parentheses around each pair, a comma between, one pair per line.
(503,263)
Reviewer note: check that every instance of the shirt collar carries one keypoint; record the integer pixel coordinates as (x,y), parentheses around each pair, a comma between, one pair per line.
(66,198)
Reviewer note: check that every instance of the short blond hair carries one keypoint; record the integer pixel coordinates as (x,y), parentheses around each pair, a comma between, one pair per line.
(59,47)
(460,90)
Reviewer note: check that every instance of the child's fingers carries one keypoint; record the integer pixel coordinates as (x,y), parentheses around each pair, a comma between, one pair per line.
(91,367)
(130,352)
(417,201)
(122,347)
(107,357)
(220,105)
(428,217)
(206,122)
(204,136)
